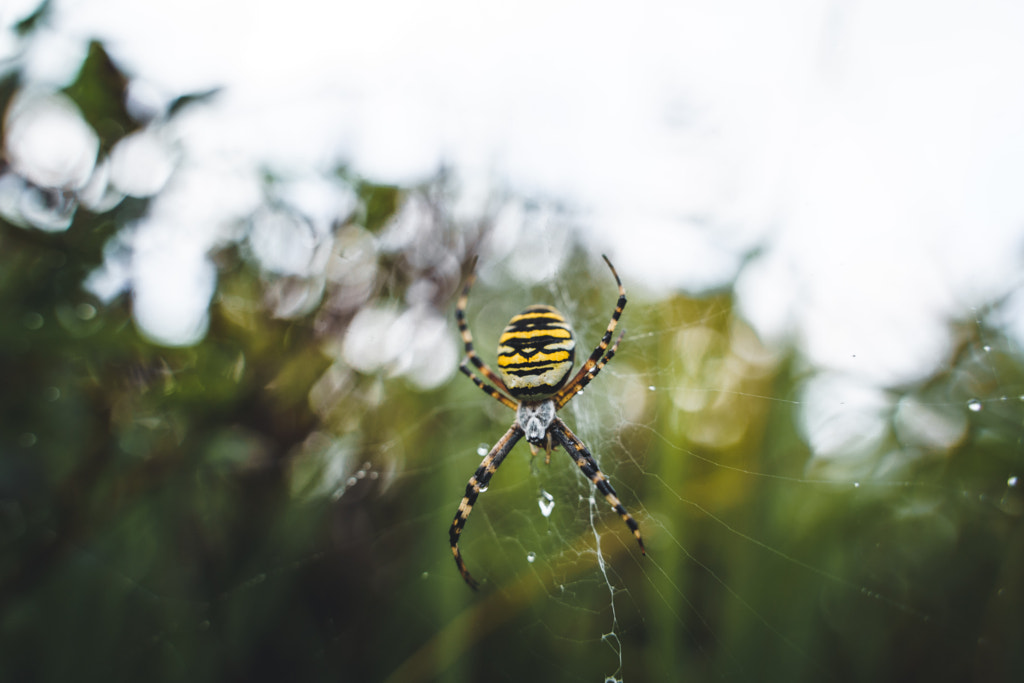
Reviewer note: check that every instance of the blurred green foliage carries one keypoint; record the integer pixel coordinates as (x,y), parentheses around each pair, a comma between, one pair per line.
(100,91)
(249,509)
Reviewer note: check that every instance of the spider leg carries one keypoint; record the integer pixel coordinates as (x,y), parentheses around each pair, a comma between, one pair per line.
(599,355)
(487,388)
(560,400)
(575,448)
(477,483)
(467,336)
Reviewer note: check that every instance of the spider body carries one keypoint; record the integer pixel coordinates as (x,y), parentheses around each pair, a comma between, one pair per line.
(535,353)
(535,358)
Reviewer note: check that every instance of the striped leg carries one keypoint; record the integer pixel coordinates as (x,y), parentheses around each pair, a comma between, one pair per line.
(487,388)
(598,357)
(575,448)
(477,483)
(467,336)
(561,400)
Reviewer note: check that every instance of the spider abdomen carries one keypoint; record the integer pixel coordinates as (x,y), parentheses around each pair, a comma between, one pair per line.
(536,352)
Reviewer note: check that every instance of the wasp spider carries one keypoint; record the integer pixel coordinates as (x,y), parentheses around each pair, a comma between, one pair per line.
(535,357)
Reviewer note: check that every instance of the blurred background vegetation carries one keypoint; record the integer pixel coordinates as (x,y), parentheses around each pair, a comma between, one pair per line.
(272,501)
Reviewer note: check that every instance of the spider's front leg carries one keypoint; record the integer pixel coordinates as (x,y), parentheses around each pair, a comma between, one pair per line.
(477,483)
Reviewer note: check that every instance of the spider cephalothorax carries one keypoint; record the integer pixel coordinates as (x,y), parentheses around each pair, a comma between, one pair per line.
(535,419)
(535,357)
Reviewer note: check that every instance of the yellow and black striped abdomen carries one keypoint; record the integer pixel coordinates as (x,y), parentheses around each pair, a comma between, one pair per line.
(536,352)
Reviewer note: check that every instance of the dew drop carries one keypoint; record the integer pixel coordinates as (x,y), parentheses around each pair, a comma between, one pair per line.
(986,348)
(856,484)
(974,405)
(531,556)
(483,489)
(546,503)
(650,387)
(483,449)
(1012,481)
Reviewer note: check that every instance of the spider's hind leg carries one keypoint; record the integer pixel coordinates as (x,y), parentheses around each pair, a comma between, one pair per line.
(585,461)
(477,483)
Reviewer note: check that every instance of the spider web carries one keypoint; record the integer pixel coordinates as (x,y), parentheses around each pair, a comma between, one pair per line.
(726,560)
(765,555)
(765,558)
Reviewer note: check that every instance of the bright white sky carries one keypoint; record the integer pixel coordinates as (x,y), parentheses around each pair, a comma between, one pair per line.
(873,150)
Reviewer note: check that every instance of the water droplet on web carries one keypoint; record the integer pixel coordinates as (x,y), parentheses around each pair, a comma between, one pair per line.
(546,503)
(650,387)
(856,484)
(974,405)
(531,556)
(483,449)
(1012,481)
